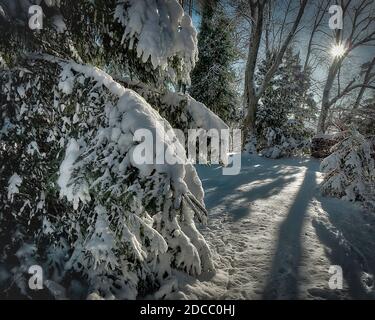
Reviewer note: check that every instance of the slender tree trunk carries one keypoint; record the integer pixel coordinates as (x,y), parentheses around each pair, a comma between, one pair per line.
(323,117)
(359,98)
(250,94)
(368,76)
(267,29)
(322,122)
(250,119)
(190,8)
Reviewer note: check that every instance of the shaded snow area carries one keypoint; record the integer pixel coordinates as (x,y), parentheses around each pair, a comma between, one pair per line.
(275,237)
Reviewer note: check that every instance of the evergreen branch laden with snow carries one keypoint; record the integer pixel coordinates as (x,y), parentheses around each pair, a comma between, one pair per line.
(129,224)
(73,199)
(350,169)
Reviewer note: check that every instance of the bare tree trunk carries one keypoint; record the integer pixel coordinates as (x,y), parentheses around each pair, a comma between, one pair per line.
(323,117)
(359,98)
(366,81)
(190,8)
(325,98)
(268,26)
(253,94)
(251,98)
(252,106)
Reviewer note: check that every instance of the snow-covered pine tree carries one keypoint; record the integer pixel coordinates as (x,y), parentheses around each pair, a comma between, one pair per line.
(350,169)
(213,78)
(285,108)
(72,199)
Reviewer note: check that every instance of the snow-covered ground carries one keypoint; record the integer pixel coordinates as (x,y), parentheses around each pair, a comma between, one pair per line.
(275,237)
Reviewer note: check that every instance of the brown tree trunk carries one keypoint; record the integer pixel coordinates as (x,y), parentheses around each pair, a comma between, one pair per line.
(249,122)
(250,96)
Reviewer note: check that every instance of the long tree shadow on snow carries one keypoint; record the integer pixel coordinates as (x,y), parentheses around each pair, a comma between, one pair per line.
(238,206)
(349,239)
(282,281)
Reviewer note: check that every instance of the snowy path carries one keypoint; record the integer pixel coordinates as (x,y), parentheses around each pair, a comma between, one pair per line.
(275,237)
